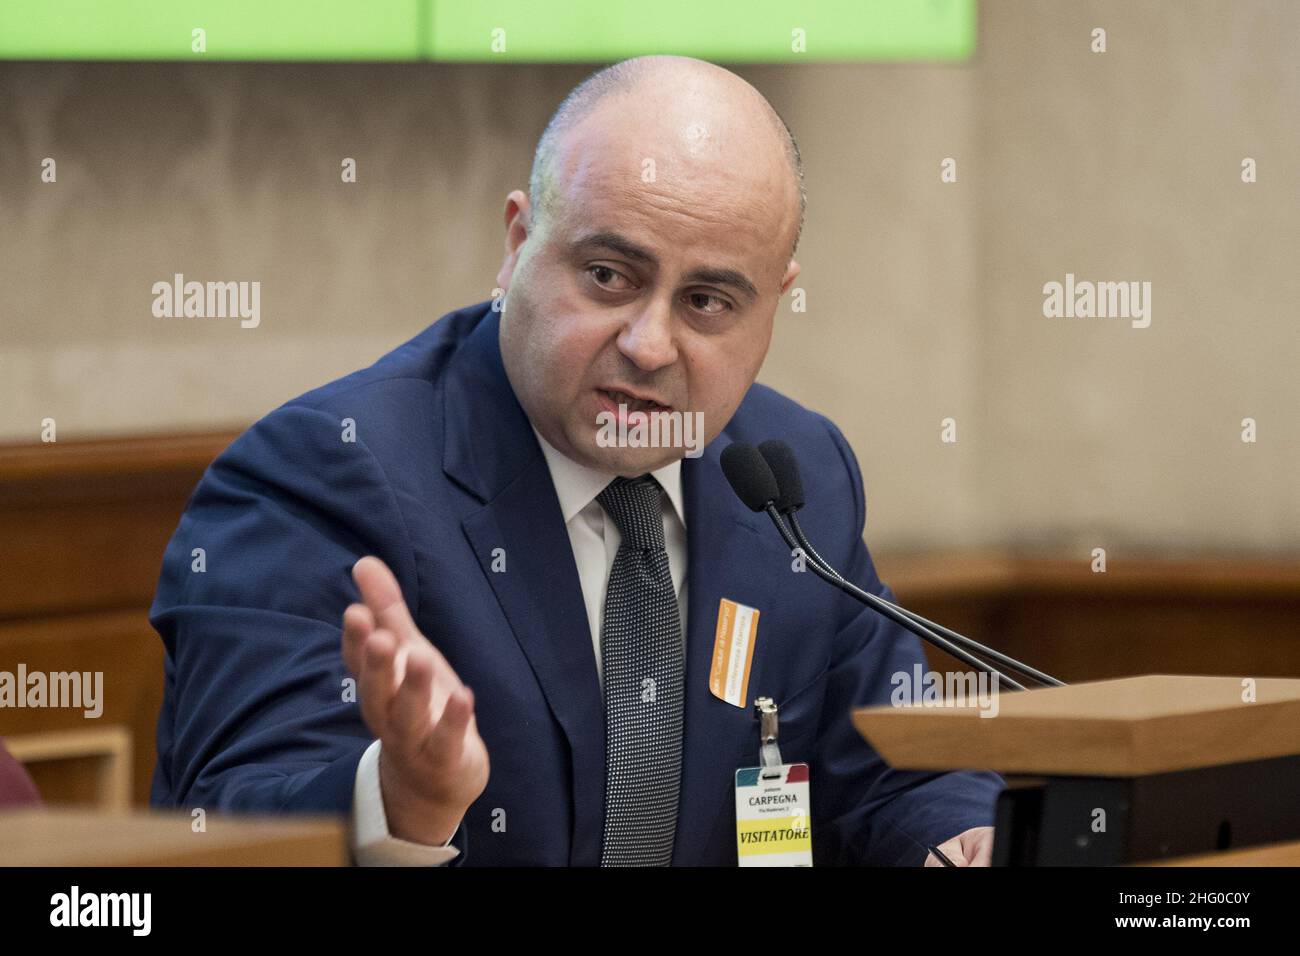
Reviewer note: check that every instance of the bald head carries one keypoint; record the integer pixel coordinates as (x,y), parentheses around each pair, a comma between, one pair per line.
(633,93)
(644,269)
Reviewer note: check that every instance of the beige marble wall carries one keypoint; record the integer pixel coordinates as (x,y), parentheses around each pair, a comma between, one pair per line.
(924,298)
(1127,165)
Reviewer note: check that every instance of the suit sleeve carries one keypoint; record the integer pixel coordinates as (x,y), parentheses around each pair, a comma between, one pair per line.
(259,711)
(881,816)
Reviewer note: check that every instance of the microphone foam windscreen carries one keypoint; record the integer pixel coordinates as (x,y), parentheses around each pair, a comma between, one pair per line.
(780,458)
(750,477)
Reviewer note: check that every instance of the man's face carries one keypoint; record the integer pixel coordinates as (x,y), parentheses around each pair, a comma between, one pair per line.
(656,295)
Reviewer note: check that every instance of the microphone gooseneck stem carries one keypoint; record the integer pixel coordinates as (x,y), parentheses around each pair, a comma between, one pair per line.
(887,609)
(1006,661)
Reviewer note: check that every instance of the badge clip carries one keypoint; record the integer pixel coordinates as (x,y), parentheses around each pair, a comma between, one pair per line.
(769,751)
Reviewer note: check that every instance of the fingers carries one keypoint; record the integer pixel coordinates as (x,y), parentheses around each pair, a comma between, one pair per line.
(410,712)
(952,849)
(454,720)
(443,747)
(379,678)
(415,732)
(358,623)
(403,680)
(383,596)
(983,853)
(387,608)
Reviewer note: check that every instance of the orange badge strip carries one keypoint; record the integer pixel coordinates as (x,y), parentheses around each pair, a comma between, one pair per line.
(733,652)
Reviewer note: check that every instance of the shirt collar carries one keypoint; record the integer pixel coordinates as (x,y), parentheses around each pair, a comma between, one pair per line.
(577,485)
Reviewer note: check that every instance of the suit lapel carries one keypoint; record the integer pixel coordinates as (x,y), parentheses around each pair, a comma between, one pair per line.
(722,536)
(490,450)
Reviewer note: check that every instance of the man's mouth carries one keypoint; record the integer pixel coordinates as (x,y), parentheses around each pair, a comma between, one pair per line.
(633,402)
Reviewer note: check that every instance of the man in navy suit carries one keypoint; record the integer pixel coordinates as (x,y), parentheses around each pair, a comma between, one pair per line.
(444,518)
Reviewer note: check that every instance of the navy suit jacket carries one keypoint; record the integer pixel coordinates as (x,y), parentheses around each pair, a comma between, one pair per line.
(445,469)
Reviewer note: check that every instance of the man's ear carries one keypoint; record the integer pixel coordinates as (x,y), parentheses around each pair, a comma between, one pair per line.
(519,223)
(791,272)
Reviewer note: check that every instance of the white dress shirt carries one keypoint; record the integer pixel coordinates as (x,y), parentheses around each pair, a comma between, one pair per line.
(594,538)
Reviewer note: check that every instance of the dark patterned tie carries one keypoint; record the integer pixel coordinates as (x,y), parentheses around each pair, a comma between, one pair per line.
(641,659)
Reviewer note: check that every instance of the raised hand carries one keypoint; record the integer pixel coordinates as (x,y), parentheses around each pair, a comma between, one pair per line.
(433,764)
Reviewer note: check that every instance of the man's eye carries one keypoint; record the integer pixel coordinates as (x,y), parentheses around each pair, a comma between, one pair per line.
(608,278)
(700,300)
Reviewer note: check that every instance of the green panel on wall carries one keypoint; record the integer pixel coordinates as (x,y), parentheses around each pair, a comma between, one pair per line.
(234,29)
(733,30)
(771,31)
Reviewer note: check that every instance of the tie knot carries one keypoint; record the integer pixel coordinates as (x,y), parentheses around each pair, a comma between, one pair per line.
(637,509)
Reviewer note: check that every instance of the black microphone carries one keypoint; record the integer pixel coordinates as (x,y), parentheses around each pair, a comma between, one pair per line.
(749,475)
(790,498)
(753,481)
(780,458)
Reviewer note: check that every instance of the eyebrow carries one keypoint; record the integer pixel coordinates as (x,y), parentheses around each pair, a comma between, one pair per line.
(625,247)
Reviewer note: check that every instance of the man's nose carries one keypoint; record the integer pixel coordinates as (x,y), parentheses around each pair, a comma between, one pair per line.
(647,338)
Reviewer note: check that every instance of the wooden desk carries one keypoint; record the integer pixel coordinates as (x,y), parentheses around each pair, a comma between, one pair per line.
(1273,854)
(73,837)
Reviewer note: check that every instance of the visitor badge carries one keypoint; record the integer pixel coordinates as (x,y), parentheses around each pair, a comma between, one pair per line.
(773,816)
(773,812)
